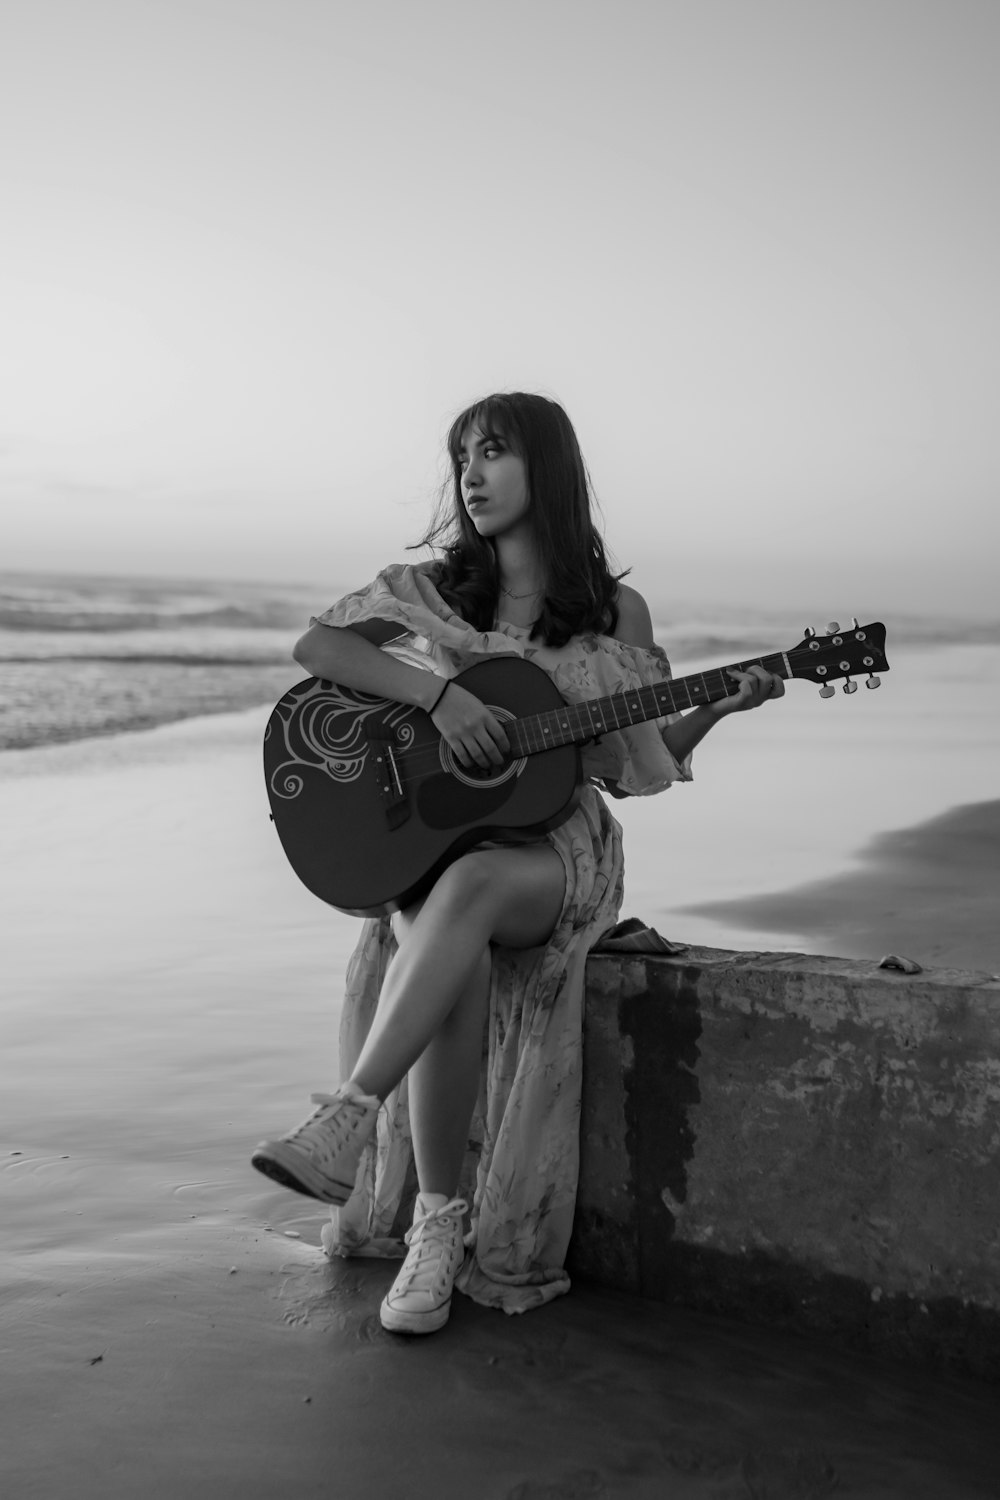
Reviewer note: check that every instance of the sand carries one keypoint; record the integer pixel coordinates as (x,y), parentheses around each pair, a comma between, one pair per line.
(169,1326)
(930,893)
(219,1361)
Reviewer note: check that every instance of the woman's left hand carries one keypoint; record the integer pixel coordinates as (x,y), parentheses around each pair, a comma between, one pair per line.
(757,686)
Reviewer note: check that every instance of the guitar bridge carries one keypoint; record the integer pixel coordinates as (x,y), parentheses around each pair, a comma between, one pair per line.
(389,779)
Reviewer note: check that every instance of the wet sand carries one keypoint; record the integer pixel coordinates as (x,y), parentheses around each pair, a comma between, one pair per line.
(168,1325)
(215,1360)
(791,799)
(931,893)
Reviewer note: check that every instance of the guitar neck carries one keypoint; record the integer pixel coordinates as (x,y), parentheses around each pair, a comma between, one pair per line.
(576,723)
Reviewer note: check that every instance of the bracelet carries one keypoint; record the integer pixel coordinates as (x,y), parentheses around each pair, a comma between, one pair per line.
(437,700)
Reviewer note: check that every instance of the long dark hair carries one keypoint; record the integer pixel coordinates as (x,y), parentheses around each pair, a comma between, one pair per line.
(581,589)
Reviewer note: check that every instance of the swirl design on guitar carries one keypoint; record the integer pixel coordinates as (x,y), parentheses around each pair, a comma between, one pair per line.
(324,727)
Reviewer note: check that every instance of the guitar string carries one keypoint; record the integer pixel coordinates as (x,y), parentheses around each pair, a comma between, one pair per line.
(425,760)
(416,759)
(430,756)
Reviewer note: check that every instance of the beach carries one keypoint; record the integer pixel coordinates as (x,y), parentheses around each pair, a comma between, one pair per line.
(931,892)
(702,352)
(857,827)
(171,995)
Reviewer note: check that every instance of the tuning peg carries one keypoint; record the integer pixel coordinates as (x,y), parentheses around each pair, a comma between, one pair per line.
(850,686)
(832,628)
(873,681)
(827,690)
(854,622)
(810,632)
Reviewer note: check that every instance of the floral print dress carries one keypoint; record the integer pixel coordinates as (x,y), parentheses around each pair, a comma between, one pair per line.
(521,1167)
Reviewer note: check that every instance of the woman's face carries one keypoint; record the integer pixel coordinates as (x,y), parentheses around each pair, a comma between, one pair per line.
(494,482)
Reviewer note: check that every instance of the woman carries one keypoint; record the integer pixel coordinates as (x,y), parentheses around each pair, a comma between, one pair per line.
(502,936)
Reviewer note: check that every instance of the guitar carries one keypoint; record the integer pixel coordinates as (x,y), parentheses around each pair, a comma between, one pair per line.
(371,805)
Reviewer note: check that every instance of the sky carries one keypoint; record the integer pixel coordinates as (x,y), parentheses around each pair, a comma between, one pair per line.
(256,254)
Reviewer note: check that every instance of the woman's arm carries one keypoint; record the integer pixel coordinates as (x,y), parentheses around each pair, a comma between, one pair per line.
(757,686)
(342,655)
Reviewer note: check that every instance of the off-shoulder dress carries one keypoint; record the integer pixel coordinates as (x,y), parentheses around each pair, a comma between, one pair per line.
(521,1167)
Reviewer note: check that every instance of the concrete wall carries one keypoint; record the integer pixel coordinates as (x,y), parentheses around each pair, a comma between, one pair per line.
(812,1143)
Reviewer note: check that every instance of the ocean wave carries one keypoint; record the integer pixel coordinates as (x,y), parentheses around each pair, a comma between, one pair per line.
(67,605)
(202,643)
(65,699)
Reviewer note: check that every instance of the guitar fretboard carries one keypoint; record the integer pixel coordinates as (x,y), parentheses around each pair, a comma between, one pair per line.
(576,723)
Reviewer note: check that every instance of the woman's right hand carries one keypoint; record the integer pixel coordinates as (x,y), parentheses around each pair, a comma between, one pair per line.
(470,728)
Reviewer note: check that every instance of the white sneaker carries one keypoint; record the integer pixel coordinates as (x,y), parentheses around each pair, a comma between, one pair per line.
(419,1299)
(320,1157)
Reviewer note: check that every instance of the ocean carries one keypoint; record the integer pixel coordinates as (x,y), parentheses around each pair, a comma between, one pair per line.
(83,656)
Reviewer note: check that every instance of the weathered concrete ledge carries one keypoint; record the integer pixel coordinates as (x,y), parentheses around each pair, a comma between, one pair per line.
(811,1143)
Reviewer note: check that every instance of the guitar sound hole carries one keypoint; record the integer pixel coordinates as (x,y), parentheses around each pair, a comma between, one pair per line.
(486,775)
(482,776)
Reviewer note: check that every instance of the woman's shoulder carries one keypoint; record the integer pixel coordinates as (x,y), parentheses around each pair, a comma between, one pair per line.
(635,626)
(403,580)
(428,568)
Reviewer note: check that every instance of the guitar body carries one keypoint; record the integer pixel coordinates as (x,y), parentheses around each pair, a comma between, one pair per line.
(371,806)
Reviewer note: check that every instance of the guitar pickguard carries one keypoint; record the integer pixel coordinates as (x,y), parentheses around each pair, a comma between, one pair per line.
(444,802)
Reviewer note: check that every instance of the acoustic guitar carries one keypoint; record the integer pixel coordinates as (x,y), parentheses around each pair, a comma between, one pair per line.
(371,805)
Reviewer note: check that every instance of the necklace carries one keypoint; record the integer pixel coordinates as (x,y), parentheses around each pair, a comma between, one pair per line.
(532,593)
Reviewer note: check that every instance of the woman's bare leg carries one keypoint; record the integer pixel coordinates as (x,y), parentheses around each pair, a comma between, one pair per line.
(443,1085)
(433,1001)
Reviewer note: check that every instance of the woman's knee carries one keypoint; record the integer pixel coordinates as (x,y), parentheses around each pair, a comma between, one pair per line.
(469,879)
(466,882)
(517,894)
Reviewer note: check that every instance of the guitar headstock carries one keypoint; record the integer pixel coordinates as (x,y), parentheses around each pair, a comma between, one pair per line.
(841,653)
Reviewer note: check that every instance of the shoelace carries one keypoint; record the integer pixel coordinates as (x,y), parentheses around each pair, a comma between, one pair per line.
(427,1237)
(357,1101)
(339,1126)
